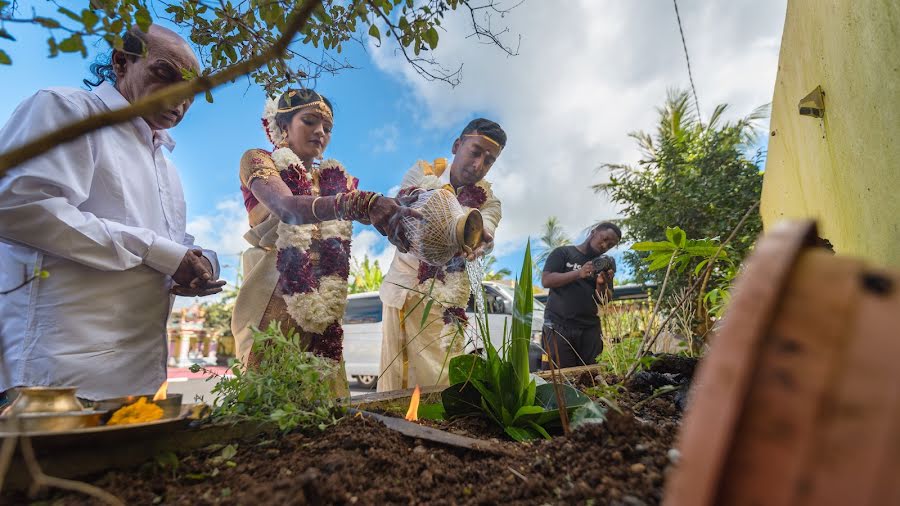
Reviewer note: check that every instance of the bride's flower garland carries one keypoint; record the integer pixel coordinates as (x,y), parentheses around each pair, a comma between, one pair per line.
(449,284)
(314,260)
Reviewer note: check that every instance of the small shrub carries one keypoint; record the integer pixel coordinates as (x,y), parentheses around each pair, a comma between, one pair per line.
(289,386)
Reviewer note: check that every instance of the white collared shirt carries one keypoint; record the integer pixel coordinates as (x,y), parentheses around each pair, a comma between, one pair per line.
(105,216)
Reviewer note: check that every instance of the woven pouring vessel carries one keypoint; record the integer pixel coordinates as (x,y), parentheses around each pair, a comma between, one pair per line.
(447,228)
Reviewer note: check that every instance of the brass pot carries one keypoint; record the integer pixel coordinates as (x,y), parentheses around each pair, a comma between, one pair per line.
(45,400)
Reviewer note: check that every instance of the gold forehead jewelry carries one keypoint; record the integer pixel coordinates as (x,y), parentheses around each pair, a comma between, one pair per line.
(485,137)
(318,106)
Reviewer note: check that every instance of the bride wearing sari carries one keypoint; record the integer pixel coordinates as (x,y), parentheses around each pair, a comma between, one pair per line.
(301,214)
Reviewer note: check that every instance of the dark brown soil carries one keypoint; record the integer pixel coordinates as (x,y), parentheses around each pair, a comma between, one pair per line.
(359,461)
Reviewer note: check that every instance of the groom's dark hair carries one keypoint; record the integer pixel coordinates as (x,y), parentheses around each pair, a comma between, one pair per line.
(487,128)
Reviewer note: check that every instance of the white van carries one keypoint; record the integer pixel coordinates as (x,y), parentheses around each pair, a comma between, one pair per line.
(362,329)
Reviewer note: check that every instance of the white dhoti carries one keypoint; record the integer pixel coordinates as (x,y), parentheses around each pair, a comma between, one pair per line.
(413,354)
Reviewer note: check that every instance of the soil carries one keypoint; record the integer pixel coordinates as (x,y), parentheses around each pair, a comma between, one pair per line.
(359,461)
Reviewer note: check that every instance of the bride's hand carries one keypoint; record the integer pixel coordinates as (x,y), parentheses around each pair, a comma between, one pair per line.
(387,217)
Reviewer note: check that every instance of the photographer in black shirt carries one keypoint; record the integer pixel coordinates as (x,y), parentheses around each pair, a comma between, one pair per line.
(571,333)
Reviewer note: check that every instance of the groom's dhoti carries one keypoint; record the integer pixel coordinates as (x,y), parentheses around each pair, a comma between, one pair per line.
(413,354)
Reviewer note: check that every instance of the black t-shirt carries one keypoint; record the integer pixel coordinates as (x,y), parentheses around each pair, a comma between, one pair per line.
(572,304)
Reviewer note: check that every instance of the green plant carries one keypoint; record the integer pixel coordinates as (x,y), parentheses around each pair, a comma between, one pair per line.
(287,386)
(499,385)
(552,237)
(490,274)
(367,276)
(618,357)
(701,175)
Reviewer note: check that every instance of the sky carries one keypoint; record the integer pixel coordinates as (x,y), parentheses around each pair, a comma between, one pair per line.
(586,73)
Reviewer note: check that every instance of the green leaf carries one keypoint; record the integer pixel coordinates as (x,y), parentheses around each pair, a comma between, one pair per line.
(653,246)
(523,309)
(72,44)
(520,433)
(142,18)
(461,399)
(589,413)
(433,411)
(659,263)
(70,14)
(462,368)
(4,58)
(6,35)
(375,32)
(425,313)
(676,236)
(431,37)
(209,96)
(47,22)
(540,430)
(525,411)
(89,19)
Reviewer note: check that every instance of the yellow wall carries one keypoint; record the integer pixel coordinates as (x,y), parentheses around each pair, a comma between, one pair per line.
(843,169)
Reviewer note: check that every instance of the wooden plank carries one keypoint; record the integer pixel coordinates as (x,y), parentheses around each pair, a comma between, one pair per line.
(425,433)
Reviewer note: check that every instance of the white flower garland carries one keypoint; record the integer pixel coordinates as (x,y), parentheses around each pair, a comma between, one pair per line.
(314,311)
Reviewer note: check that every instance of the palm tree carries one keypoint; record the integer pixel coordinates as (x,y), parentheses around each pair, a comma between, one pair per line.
(367,276)
(490,274)
(553,237)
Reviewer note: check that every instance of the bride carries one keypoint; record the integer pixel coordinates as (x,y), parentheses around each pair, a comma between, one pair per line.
(301,214)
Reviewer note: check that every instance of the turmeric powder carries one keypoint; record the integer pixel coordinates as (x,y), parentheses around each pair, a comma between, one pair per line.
(138,412)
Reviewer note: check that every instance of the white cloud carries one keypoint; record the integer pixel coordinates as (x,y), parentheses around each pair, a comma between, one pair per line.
(369,243)
(588,72)
(384,138)
(223,232)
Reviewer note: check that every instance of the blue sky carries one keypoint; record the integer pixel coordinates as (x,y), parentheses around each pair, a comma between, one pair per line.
(584,77)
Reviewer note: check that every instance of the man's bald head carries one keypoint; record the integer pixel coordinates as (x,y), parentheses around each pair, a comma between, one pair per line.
(149,62)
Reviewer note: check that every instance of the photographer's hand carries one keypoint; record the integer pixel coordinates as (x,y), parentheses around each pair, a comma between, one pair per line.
(586,271)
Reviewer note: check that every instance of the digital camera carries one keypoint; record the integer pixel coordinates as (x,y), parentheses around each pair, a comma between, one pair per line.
(603,263)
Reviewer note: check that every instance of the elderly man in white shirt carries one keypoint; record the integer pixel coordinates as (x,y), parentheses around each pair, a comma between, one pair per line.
(105,216)
(416,346)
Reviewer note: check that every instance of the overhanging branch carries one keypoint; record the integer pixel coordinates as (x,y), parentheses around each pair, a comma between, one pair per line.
(160,100)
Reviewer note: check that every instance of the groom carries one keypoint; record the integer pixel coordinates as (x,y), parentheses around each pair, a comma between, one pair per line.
(413,353)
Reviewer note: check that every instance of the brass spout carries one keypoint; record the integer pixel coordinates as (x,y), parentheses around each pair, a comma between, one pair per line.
(469,228)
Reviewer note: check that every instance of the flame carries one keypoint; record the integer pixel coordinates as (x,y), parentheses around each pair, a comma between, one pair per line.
(412,414)
(161,393)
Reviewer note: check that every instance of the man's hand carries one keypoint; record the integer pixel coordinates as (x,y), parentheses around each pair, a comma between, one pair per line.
(586,270)
(387,216)
(487,242)
(194,276)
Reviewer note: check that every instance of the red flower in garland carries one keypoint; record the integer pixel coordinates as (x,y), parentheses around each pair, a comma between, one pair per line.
(297,181)
(334,257)
(453,315)
(427,272)
(332,181)
(472,196)
(329,344)
(296,272)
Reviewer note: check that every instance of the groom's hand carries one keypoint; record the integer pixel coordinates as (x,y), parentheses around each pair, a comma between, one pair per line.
(487,242)
(387,216)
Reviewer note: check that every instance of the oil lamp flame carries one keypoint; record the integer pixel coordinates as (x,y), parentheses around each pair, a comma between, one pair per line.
(161,393)
(412,414)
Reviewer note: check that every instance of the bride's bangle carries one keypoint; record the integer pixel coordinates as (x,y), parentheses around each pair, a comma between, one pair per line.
(314,209)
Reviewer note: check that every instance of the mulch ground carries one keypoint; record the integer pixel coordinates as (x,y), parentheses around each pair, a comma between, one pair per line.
(359,461)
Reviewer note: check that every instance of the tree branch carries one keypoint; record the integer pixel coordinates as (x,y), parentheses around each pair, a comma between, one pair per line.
(162,99)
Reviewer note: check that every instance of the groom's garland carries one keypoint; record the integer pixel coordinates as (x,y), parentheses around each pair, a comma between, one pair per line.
(314,260)
(449,284)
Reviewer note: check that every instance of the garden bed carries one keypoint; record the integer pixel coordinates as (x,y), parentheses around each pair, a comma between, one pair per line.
(360,461)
